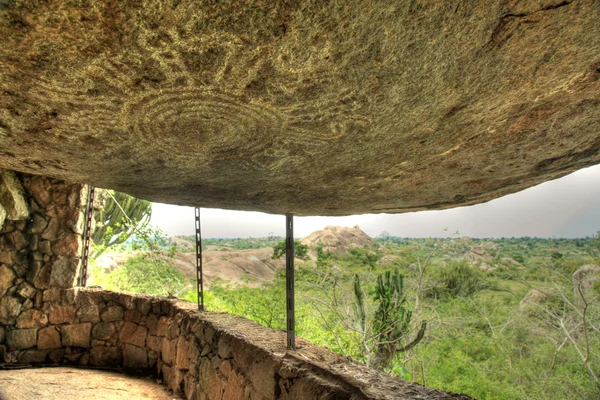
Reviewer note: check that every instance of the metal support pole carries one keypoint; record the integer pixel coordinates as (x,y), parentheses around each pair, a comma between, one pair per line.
(289,281)
(86,235)
(199,283)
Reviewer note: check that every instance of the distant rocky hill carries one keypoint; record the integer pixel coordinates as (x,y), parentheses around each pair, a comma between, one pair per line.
(339,239)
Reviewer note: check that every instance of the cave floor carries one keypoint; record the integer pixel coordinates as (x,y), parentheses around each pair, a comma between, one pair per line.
(63,383)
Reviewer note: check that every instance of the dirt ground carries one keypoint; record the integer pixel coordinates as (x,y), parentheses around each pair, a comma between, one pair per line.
(77,384)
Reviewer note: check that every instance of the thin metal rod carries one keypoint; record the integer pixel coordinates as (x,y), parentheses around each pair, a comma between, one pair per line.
(86,235)
(289,282)
(199,281)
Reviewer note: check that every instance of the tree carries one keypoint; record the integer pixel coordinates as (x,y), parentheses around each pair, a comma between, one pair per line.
(120,217)
(300,250)
(390,325)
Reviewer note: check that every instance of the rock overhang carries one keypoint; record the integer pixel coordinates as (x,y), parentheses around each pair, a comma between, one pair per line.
(301,107)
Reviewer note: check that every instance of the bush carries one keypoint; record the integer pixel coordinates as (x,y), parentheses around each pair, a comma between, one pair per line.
(461,280)
(147,274)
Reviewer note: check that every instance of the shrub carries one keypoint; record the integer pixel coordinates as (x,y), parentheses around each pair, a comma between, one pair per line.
(461,280)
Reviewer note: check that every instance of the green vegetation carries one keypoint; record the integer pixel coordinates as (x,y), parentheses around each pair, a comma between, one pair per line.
(120,217)
(509,323)
(300,250)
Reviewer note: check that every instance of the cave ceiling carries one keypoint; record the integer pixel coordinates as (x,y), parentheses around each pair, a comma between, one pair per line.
(304,107)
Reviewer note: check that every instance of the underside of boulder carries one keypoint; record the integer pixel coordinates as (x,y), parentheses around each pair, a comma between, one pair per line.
(304,107)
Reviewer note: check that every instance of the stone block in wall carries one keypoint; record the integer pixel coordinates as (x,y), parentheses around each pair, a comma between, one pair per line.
(133,334)
(209,382)
(134,357)
(39,274)
(224,349)
(52,295)
(56,356)
(18,339)
(172,330)
(7,256)
(39,188)
(88,311)
(2,333)
(32,319)
(182,360)
(76,335)
(69,245)
(262,372)
(48,338)
(33,356)
(134,316)
(144,305)
(169,351)
(190,385)
(45,247)
(174,379)
(64,271)
(105,331)
(7,276)
(26,290)
(153,357)
(17,240)
(161,326)
(235,387)
(10,307)
(102,356)
(38,225)
(151,324)
(154,342)
(62,314)
(12,196)
(112,313)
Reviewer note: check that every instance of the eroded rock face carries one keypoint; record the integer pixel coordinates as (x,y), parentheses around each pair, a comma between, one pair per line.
(295,107)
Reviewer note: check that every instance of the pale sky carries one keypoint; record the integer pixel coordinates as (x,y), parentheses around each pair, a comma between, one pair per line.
(567,207)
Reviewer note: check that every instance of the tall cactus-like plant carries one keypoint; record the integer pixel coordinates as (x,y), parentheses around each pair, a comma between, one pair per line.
(120,217)
(391,322)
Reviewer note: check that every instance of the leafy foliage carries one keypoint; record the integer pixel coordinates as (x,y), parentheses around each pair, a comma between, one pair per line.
(300,250)
(121,216)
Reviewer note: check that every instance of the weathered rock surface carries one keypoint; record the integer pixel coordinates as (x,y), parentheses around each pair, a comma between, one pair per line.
(11,196)
(339,239)
(295,107)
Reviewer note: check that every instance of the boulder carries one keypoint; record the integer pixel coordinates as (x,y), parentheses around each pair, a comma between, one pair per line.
(588,278)
(491,246)
(536,297)
(477,254)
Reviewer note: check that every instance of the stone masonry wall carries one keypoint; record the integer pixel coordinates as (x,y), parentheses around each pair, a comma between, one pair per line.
(45,320)
(40,245)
